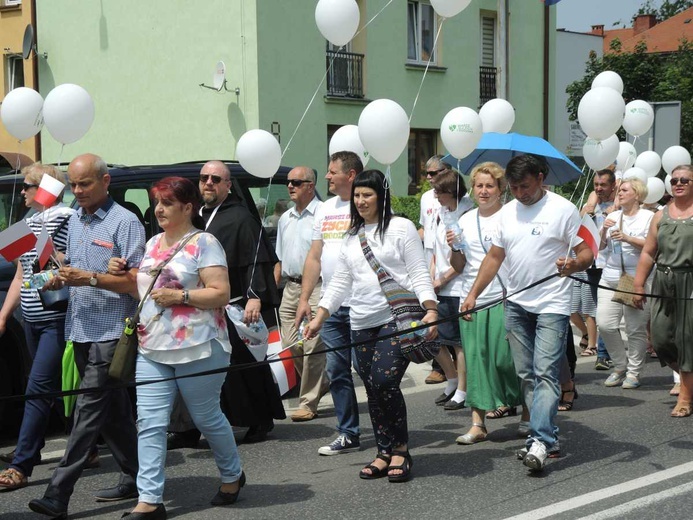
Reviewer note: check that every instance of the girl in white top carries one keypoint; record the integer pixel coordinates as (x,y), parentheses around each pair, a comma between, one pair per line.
(492,383)
(396,245)
(622,239)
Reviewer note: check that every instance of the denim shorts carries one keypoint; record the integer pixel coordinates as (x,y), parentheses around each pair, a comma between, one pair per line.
(449,332)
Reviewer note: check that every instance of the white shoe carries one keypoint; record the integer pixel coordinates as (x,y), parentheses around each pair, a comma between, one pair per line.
(536,456)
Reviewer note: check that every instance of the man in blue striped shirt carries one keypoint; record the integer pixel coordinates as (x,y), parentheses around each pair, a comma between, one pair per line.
(100,229)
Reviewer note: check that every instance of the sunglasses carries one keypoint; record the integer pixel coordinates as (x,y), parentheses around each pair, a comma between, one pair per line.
(297,182)
(433,173)
(216,179)
(28,186)
(683,181)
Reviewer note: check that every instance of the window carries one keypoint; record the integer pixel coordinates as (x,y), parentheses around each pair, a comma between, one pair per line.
(487,70)
(422,146)
(10,3)
(14,71)
(345,76)
(421,26)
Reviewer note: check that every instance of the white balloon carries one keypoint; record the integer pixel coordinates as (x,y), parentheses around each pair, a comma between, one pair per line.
(259,153)
(626,156)
(461,130)
(608,79)
(384,130)
(655,190)
(600,112)
(637,173)
(497,115)
(650,162)
(667,183)
(618,174)
(675,156)
(346,139)
(449,8)
(600,154)
(337,20)
(639,117)
(68,112)
(21,112)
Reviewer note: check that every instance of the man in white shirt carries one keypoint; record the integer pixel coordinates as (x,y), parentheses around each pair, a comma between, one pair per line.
(536,228)
(294,237)
(331,222)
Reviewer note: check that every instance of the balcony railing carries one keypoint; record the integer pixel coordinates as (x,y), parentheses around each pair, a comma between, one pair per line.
(345,78)
(487,84)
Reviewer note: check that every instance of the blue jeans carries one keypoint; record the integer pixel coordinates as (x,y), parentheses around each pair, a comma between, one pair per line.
(537,342)
(46,342)
(201,396)
(601,349)
(335,333)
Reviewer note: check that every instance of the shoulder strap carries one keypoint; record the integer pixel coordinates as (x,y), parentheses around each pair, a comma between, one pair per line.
(60,226)
(620,228)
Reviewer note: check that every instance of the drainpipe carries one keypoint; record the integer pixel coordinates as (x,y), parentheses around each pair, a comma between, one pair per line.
(503,49)
(34,68)
(547,15)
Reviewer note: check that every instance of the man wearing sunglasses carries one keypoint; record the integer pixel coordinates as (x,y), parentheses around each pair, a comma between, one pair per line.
(294,237)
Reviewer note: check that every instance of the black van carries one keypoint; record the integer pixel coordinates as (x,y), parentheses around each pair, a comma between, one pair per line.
(130,188)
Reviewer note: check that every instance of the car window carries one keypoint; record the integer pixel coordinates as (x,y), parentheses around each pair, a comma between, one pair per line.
(135,198)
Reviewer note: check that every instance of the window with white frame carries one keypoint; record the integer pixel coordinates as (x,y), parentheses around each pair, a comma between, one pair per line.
(10,3)
(14,71)
(421,28)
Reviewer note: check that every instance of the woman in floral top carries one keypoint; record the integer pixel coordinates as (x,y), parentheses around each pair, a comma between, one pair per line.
(181,331)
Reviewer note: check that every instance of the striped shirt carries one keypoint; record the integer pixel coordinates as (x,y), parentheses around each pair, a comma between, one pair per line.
(32,308)
(95,314)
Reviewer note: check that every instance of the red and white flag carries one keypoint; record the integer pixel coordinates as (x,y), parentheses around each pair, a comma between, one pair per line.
(16,240)
(44,246)
(48,191)
(590,234)
(283,371)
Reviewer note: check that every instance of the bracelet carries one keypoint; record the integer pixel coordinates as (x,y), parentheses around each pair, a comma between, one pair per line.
(186,297)
(456,250)
(432,310)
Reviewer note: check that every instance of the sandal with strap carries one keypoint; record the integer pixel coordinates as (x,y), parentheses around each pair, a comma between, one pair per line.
(564,405)
(502,411)
(589,351)
(473,438)
(682,409)
(375,471)
(585,341)
(405,467)
(11,479)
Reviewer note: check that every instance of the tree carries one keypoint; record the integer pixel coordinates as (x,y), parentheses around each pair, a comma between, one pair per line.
(668,9)
(647,76)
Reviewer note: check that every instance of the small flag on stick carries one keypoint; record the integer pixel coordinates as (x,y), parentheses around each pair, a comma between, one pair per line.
(590,234)
(16,240)
(44,247)
(48,191)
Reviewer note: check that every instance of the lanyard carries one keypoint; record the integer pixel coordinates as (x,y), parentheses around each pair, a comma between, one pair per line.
(211,217)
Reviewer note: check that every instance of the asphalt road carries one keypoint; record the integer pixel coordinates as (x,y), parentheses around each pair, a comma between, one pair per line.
(622,457)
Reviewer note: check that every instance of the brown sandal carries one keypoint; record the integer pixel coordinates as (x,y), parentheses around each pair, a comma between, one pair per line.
(682,409)
(11,479)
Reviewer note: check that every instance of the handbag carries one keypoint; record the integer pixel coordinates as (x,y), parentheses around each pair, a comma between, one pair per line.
(53,300)
(625,281)
(405,308)
(122,366)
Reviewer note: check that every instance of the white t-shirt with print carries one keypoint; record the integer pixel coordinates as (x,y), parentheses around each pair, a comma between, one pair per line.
(442,249)
(428,214)
(332,220)
(636,226)
(533,238)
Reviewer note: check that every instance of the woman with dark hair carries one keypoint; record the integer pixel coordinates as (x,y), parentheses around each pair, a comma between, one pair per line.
(182,330)
(396,246)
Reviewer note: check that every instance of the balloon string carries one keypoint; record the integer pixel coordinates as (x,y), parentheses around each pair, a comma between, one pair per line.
(584,188)
(577,184)
(14,181)
(369,21)
(388,178)
(60,155)
(430,58)
(250,293)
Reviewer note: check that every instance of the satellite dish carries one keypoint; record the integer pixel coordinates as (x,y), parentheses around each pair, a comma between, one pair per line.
(219,76)
(28,43)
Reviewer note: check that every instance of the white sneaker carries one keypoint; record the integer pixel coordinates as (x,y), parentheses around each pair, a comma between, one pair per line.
(630,382)
(536,456)
(615,379)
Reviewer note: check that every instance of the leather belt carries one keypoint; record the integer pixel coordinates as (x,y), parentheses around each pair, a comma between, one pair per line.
(297,279)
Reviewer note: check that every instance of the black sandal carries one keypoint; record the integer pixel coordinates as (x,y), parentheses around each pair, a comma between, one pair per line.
(564,405)
(502,411)
(405,467)
(375,471)
(585,341)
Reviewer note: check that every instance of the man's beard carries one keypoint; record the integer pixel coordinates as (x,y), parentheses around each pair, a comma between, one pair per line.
(210,198)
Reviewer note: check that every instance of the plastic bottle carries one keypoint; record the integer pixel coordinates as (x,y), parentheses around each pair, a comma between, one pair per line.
(421,332)
(40,279)
(616,246)
(450,220)
(301,328)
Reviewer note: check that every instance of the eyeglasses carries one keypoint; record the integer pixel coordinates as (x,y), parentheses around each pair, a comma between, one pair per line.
(216,179)
(433,173)
(297,182)
(28,186)
(683,181)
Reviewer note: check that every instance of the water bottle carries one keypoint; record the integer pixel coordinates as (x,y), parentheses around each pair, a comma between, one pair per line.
(40,279)
(301,328)
(418,333)
(616,246)
(450,220)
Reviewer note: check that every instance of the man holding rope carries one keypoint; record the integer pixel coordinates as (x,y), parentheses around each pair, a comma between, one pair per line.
(536,318)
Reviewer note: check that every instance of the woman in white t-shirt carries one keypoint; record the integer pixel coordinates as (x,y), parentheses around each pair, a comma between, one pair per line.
(395,244)
(492,383)
(622,239)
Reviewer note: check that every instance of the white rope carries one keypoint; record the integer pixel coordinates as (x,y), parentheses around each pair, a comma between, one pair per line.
(430,58)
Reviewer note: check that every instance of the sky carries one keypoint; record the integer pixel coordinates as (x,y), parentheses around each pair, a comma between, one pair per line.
(581,15)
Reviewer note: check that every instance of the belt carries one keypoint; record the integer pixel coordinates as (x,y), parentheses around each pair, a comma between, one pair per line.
(668,270)
(299,279)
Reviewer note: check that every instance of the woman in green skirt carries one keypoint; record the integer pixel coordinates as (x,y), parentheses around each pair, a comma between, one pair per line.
(491,381)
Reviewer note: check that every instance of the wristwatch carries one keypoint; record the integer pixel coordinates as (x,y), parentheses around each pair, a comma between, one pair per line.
(93,281)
